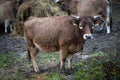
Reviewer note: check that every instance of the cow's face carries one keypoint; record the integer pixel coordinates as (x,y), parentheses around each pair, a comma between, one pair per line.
(86,25)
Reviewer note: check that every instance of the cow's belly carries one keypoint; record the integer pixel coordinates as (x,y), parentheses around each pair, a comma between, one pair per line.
(47,47)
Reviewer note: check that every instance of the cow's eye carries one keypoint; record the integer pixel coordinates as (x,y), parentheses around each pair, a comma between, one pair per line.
(81,27)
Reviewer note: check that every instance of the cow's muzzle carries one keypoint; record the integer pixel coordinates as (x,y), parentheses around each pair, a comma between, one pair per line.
(88,36)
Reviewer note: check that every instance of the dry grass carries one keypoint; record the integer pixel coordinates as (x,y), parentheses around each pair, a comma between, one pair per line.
(39,8)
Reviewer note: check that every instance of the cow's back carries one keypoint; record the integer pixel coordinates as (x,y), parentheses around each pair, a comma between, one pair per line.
(91,7)
(48,26)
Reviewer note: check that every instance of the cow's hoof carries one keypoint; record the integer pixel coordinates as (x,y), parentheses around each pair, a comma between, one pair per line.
(63,71)
(70,71)
(38,72)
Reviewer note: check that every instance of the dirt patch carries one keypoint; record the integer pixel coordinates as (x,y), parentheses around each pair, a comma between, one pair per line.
(11,44)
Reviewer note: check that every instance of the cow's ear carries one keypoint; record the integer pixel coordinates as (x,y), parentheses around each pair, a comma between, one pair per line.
(74,22)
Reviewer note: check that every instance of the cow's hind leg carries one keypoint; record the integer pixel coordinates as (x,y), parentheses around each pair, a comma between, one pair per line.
(107,24)
(33,53)
(11,27)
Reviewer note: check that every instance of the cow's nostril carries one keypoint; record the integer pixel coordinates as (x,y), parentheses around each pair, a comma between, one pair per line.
(88,37)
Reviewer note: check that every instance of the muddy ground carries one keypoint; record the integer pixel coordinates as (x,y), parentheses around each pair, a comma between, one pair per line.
(102,43)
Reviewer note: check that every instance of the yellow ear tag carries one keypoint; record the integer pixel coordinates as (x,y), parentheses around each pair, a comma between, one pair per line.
(74,24)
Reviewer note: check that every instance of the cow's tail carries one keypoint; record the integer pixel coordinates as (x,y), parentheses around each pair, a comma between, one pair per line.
(27,42)
(28,54)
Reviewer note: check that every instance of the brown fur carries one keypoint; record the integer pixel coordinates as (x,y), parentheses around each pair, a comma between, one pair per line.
(54,34)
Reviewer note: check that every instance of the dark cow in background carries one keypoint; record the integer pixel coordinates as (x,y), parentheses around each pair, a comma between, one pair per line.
(95,8)
(8,10)
(62,34)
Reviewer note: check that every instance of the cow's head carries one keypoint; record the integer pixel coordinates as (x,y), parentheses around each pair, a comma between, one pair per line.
(86,24)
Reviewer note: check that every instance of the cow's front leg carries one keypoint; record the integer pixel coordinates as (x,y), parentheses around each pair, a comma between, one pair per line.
(70,63)
(63,56)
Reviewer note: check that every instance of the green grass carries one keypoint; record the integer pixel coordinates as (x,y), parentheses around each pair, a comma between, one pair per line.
(89,70)
(12,67)
(48,59)
(56,76)
(7,60)
(100,66)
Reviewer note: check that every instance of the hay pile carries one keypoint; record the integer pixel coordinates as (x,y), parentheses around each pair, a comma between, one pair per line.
(38,8)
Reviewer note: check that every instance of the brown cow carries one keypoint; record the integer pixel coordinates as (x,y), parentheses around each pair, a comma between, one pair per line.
(8,10)
(97,8)
(52,34)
